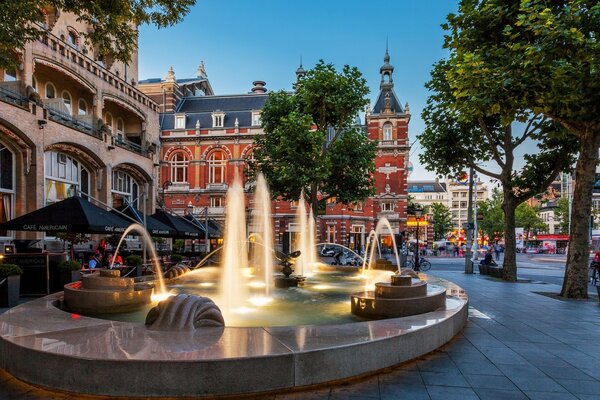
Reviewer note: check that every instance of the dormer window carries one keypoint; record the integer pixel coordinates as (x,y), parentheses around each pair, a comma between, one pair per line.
(387,207)
(180,121)
(218,119)
(256,118)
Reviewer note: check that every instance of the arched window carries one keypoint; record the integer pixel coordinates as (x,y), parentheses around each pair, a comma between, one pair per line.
(108,120)
(67,101)
(72,38)
(82,108)
(179,165)
(216,167)
(64,176)
(124,189)
(387,131)
(50,91)
(7,186)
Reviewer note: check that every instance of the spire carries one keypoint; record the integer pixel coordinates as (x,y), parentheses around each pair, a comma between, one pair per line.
(386,70)
(300,72)
(170,75)
(201,71)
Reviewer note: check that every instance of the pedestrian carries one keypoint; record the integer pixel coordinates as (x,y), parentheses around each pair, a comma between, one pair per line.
(95,261)
(497,250)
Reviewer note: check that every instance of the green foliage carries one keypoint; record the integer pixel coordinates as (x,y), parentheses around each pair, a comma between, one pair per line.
(442,220)
(527,217)
(493,216)
(70,265)
(178,245)
(72,237)
(113,240)
(133,260)
(9,269)
(176,258)
(114,24)
(294,153)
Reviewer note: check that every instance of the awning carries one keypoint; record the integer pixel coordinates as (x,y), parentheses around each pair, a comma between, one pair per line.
(74,214)
(153,226)
(184,228)
(213,232)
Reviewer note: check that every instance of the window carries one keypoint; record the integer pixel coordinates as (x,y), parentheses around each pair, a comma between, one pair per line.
(108,120)
(10,75)
(387,131)
(180,122)
(358,206)
(7,192)
(67,101)
(216,202)
(218,120)
(64,176)
(82,107)
(387,206)
(72,38)
(120,130)
(179,164)
(463,204)
(50,91)
(216,167)
(34,83)
(256,119)
(124,188)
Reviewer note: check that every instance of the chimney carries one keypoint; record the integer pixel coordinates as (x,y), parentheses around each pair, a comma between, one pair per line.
(259,87)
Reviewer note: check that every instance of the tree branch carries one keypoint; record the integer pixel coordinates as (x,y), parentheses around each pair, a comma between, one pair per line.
(530,128)
(477,168)
(493,143)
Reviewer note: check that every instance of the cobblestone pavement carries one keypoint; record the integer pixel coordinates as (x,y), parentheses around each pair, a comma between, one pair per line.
(518,344)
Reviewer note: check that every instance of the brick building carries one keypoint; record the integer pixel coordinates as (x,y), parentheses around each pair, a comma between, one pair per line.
(206,139)
(71,119)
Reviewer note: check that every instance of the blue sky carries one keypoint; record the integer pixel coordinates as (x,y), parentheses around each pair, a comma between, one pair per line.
(241,41)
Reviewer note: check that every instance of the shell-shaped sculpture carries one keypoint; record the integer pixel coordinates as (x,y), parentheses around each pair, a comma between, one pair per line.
(176,271)
(184,313)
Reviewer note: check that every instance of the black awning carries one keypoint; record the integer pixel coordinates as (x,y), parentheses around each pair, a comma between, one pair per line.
(74,214)
(153,226)
(213,233)
(184,228)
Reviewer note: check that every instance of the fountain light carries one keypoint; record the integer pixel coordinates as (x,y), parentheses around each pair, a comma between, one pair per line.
(322,287)
(158,297)
(207,284)
(256,284)
(260,301)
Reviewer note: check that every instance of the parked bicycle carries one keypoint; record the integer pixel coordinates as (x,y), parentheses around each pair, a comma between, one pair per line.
(424,264)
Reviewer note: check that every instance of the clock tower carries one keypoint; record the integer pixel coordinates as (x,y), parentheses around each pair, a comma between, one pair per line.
(387,124)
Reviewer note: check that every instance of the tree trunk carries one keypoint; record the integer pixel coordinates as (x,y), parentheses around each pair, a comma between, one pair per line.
(576,270)
(510,243)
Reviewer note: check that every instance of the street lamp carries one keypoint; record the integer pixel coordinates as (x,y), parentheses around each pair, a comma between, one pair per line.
(418,214)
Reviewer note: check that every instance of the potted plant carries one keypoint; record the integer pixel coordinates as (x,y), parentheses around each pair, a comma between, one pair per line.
(135,261)
(10,282)
(175,258)
(70,271)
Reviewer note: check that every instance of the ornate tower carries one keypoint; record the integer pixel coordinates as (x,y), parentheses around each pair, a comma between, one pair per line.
(387,124)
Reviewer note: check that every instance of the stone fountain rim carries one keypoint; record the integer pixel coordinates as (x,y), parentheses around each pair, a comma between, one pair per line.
(278,361)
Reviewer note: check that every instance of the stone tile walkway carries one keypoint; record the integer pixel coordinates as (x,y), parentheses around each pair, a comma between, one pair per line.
(518,344)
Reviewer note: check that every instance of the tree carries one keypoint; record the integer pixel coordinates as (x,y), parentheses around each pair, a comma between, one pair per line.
(543,56)
(73,239)
(442,220)
(528,218)
(492,224)
(463,129)
(561,214)
(311,143)
(113,23)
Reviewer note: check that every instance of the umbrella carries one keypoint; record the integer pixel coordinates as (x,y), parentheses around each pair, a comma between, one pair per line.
(74,214)
(213,232)
(153,226)
(184,228)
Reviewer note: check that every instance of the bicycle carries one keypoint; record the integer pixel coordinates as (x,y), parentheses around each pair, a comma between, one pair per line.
(424,264)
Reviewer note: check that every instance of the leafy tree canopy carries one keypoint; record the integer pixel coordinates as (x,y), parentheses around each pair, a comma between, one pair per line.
(528,218)
(311,143)
(492,223)
(114,23)
(442,220)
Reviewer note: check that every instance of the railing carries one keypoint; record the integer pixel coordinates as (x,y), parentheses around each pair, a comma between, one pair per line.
(129,145)
(74,56)
(66,119)
(8,94)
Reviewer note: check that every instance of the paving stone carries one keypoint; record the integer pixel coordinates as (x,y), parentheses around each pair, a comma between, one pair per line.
(581,387)
(444,379)
(490,382)
(451,393)
(499,394)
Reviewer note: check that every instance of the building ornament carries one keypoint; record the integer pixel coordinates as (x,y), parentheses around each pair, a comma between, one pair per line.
(79,153)
(27,159)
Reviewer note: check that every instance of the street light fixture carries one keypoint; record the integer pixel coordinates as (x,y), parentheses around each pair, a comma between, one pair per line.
(418,214)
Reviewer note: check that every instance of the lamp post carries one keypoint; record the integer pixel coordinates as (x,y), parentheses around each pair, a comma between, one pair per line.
(165,186)
(418,215)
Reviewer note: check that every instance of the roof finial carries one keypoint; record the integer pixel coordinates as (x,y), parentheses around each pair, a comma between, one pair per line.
(170,75)
(300,72)
(201,71)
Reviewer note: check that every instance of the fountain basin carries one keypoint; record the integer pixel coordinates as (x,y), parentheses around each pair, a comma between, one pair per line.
(37,339)
(106,293)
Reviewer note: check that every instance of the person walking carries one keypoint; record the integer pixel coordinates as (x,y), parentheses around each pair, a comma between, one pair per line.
(497,250)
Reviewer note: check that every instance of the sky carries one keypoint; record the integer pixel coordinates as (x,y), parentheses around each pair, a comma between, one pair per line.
(241,41)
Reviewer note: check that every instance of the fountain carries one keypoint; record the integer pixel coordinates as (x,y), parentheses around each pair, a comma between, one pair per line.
(273,339)
(305,225)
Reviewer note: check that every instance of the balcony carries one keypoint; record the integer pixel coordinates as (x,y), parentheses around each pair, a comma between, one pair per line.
(11,92)
(57,111)
(123,143)
(217,187)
